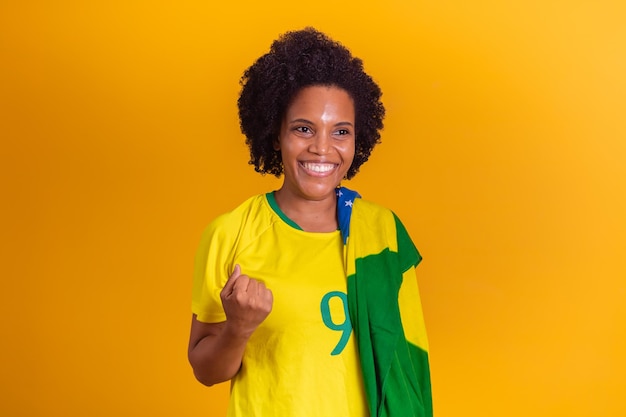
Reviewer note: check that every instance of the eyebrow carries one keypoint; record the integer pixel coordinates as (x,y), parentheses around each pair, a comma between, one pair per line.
(310,122)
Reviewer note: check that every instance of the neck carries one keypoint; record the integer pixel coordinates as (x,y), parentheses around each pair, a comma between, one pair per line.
(311,215)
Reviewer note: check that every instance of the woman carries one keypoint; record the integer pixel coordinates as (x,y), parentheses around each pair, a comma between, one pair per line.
(282,281)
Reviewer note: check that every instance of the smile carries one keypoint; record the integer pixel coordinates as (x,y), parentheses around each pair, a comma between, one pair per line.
(319,168)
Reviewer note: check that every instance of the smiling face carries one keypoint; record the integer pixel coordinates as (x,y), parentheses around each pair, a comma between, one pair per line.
(316,141)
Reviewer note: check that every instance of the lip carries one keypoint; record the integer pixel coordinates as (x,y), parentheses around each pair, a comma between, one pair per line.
(317,168)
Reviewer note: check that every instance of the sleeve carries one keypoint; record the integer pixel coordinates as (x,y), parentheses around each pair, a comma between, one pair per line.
(213,263)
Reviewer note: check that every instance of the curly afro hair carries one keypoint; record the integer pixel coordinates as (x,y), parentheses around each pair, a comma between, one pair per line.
(296,60)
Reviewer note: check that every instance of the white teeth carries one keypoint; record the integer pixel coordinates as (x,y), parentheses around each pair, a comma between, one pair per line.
(318,167)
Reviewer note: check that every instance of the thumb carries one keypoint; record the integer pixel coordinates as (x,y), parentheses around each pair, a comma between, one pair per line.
(230,283)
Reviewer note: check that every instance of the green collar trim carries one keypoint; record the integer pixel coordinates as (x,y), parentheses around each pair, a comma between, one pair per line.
(271,199)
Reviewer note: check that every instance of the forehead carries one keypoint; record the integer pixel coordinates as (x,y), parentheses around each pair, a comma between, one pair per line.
(320,99)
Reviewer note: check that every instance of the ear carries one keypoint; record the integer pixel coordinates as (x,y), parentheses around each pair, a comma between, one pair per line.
(276,143)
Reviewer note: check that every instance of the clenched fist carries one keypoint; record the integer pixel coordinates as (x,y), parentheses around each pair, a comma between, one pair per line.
(246,301)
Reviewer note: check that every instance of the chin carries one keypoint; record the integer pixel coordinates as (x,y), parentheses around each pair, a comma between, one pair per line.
(318,192)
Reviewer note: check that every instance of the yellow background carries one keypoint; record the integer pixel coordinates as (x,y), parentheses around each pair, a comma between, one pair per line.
(504,153)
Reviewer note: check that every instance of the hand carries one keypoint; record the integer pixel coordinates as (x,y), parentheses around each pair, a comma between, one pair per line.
(246,301)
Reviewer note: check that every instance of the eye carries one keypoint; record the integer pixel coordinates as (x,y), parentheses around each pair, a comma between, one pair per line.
(303,129)
(342,132)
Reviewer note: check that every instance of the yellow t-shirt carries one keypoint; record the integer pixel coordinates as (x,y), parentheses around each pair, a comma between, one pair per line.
(302,361)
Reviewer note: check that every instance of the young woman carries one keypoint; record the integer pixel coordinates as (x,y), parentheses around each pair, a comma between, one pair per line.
(306,297)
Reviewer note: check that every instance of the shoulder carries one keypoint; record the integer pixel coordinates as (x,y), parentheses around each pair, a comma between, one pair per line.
(372,212)
(382,221)
(371,206)
(249,218)
(376,211)
(236,216)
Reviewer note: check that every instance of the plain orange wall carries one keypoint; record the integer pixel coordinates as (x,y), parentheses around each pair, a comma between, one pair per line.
(504,152)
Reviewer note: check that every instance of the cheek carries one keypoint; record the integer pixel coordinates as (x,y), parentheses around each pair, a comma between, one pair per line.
(349,151)
(289,154)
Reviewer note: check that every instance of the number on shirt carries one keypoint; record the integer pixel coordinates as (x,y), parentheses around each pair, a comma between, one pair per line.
(345,328)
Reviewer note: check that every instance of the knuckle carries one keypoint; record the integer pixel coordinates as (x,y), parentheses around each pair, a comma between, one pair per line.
(241,297)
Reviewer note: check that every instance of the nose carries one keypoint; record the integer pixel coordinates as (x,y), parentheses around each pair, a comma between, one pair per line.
(320,144)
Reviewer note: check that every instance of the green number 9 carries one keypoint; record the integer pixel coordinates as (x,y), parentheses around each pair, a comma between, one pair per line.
(345,327)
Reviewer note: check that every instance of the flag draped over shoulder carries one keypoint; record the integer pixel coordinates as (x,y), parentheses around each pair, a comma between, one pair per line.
(385,308)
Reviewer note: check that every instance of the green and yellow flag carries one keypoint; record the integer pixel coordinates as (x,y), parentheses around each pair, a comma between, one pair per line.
(385,308)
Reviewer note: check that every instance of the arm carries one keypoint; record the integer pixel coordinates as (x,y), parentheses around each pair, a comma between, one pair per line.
(216,349)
